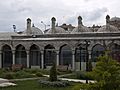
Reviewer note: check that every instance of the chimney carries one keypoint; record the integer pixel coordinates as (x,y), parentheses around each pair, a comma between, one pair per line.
(107,22)
(53,24)
(107,19)
(28,31)
(79,20)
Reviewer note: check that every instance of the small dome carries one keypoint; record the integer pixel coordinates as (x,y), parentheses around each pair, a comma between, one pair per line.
(115,19)
(36,31)
(80,29)
(109,28)
(57,30)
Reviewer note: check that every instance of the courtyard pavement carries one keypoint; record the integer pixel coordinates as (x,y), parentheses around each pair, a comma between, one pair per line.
(5,83)
(73,80)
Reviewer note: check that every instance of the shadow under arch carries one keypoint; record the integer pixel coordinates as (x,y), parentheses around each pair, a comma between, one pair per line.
(49,56)
(35,56)
(6,56)
(21,55)
(115,51)
(97,50)
(65,55)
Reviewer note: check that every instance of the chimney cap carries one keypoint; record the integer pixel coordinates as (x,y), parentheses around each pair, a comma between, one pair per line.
(53,19)
(79,17)
(107,17)
(28,19)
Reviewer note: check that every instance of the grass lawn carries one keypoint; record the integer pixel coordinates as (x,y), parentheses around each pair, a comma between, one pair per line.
(32,85)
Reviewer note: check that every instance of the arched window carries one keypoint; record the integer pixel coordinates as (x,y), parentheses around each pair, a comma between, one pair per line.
(65,55)
(49,55)
(115,52)
(35,56)
(6,56)
(97,51)
(20,55)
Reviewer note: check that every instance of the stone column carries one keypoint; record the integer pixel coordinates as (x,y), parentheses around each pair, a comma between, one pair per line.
(13,55)
(28,62)
(42,59)
(0,59)
(57,60)
(73,59)
(89,53)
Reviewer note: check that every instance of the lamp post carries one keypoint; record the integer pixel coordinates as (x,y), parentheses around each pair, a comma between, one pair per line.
(87,56)
(44,24)
(14,27)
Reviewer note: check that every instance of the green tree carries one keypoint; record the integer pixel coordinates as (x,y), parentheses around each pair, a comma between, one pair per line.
(107,73)
(53,73)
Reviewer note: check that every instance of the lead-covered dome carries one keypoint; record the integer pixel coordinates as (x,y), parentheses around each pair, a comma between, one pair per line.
(36,31)
(115,19)
(57,30)
(108,28)
(80,29)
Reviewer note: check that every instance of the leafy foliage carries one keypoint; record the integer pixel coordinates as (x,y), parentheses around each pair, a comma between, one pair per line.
(107,73)
(53,73)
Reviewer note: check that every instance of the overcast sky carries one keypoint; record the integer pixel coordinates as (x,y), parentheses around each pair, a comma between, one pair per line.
(66,11)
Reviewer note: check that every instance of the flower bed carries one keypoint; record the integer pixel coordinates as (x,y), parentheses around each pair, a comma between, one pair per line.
(46,83)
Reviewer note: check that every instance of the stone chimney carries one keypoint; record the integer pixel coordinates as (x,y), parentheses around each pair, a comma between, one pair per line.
(28,31)
(79,20)
(53,24)
(107,22)
(107,19)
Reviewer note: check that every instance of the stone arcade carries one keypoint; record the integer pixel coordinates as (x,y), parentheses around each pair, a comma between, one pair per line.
(66,45)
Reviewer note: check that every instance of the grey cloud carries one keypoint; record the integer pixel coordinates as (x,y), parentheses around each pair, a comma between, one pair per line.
(88,16)
(24,9)
(95,14)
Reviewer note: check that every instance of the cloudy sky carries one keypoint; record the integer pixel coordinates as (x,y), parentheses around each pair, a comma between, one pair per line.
(66,11)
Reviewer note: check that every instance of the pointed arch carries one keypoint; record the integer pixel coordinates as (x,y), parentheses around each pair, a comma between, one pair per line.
(6,56)
(35,56)
(115,51)
(49,55)
(97,50)
(21,55)
(65,55)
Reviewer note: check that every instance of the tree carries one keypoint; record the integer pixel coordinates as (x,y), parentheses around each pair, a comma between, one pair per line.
(107,73)
(53,73)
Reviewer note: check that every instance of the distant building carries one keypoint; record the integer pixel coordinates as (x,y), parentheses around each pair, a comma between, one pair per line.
(65,44)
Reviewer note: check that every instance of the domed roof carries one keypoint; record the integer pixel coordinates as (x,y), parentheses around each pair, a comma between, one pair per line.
(57,30)
(115,19)
(36,31)
(108,28)
(80,29)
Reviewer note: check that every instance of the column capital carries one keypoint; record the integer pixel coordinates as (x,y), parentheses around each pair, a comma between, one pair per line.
(57,51)
(13,51)
(27,51)
(73,52)
(41,51)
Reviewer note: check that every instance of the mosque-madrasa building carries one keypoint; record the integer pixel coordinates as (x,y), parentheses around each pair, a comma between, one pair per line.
(66,45)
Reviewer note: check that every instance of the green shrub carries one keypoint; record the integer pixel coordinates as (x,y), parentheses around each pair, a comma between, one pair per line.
(39,74)
(53,73)
(8,76)
(23,74)
(80,75)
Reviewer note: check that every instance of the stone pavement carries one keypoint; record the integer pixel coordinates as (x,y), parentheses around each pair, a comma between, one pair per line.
(5,83)
(73,80)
